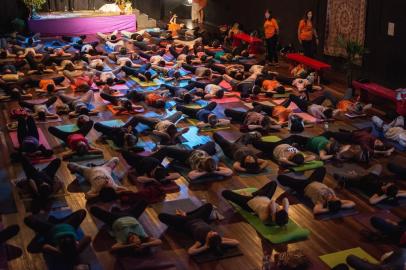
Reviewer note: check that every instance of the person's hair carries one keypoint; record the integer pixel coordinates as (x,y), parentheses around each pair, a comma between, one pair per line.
(127,104)
(220,94)
(239,76)
(44,190)
(209,165)
(172,129)
(92,51)
(67,246)
(80,42)
(189,59)
(160,173)
(281,218)
(107,194)
(113,37)
(160,103)
(148,75)
(128,63)
(84,110)
(99,67)
(280,89)
(328,113)
(266,122)
(203,58)
(139,38)
(212,119)
(392,191)
(214,244)
(270,14)
(334,147)
(30,41)
(82,149)
(177,74)
(334,206)
(50,88)
(82,119)
(148,65)
(245,53)
(305,15)
(110,81)
(130,138)
(123,50)
(251,167)
(3,54)
(134,36)
(207,72)
(70,67)
(187,98)
(42,115)
(297,158)
(162,63)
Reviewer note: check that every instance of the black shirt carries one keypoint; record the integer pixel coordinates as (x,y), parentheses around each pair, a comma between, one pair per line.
(199,230)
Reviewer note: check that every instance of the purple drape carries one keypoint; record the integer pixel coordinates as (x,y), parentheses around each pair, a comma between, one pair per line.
(83,25)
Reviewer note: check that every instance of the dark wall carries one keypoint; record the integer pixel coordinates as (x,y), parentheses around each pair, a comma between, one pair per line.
(10,9)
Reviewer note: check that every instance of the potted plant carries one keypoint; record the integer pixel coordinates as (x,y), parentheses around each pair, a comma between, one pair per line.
(33,5)
(353,53)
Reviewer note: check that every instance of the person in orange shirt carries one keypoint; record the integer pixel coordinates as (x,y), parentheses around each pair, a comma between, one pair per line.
(306,34)
(271,30)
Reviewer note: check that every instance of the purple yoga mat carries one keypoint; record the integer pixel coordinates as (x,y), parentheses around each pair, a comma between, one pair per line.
(83,25)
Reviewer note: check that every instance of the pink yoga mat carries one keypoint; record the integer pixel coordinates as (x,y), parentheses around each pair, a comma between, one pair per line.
(117,87)
(308,118)
(226,85)
(42,140)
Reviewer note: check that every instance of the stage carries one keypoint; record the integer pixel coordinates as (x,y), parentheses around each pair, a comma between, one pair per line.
(81,23)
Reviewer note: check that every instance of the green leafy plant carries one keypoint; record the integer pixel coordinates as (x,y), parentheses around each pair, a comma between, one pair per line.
(34,4)
(353,53)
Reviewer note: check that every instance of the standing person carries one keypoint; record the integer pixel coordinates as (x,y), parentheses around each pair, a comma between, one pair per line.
(306,34)
(202,5)
(271,30)
(195,11)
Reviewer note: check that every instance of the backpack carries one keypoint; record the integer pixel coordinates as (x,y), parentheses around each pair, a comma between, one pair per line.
(295,124)
(292,260)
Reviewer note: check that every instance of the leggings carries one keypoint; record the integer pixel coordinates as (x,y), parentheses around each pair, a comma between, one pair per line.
(271,44)
(298,185)
(63,135)
(229,148)
(8,232)
(142,45)
(182,155)
(112,99)
(179,222)
(174,52)
(395,261)
(43,227)
(46,175)
(116,134)
(235,115)
(268,147)
(304,104)
(70,100)
(193,84)
(25,128)
(267,190)
(151,122)
(109,217)
(395,232)
(31,106)
(192,112)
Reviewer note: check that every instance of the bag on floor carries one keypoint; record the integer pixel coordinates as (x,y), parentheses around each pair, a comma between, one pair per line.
(295,124)
(292,260)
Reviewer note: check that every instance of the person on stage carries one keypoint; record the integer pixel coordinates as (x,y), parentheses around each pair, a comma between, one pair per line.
(271,30)
(307,34)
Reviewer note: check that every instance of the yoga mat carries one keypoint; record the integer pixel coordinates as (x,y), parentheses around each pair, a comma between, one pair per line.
(275,234)
(53,204)
(117,87)
(170,207)
(86,257)
(194,122)
(308,166)
(170,187)
(155,82)
(117,112)
(354,115)
(80,185)
(184,170)
(364,218)
(307,118)
(231,136)
(113,123)
(147,145)
(42,140)
(286,95)
(270,139)
(7,203)
(230,163)
(336,258)
(193,138)
(226,100)
(226,85)
(152,261)
(68,128)
(228,252)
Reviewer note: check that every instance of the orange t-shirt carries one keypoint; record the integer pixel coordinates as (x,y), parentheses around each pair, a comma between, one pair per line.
(152,98)
(270,84)
(270,28)
(305,30)
(43,84)
(281,113)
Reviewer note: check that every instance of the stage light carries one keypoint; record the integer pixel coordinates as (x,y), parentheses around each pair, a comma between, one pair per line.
(189,2)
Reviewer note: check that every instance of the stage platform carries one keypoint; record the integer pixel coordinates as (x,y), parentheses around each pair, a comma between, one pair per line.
(81,23)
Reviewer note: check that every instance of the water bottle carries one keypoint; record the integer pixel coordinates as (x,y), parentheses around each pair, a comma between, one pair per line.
(325,125)
(266,264)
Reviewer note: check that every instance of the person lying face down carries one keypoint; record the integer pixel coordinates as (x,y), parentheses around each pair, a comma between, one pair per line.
(245,160)
(262,204)
(195,223)
(28,138)
(100,177)
(125,227)
(377,189)
(61,235)
(323,198)
(76,140)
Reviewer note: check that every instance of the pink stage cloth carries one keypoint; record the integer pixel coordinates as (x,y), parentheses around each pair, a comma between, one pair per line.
(83,25)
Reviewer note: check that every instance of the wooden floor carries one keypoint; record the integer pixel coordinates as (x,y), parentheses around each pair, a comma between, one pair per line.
(326,236)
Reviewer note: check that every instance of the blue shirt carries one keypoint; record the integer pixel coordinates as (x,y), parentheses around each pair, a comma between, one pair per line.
(124,227)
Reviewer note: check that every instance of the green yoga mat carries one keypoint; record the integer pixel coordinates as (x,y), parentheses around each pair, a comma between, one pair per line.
(68,128)
(270,139)
(275,234)
(336,258)
(113,123)
(155,82)
(146,145)
(194,122)
(308,166)
(230,162)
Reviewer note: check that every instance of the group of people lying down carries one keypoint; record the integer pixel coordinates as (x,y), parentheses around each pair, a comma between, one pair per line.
(213,72)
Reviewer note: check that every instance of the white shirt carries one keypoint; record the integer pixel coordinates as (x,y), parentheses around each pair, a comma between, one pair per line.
(96,62)
(212,89)
(317,111)
(86,48)
(397,134)
(300,84)
(155,59)
(283,151)
(260,205)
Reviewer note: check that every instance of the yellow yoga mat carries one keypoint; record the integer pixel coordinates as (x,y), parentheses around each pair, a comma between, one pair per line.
(336,258)
(155,82)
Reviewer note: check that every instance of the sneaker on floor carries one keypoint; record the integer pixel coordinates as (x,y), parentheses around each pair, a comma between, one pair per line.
(375,169)
(378,122)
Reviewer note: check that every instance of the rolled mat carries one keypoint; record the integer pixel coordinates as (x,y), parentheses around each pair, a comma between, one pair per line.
(118,87)
(275,234)
(194,122)
(226,100)
(364,218)
(117,112)
(113,123)
(42,140)
(184,170)
(308,166)
(340,257)
(270,139)
(155,82)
